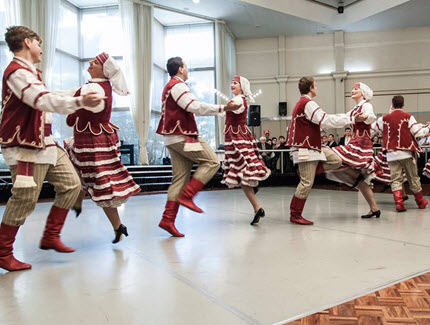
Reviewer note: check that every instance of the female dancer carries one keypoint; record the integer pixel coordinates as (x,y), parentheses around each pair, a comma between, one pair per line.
(94,148)
(358,166)
(243,165)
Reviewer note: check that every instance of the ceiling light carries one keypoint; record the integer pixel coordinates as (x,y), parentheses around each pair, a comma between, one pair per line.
(196,1)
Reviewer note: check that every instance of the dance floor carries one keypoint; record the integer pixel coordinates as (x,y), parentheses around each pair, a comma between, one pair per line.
(224,272)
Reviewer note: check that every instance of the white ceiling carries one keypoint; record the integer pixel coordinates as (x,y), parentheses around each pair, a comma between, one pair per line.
(335,3)
(170,18)
(268,18)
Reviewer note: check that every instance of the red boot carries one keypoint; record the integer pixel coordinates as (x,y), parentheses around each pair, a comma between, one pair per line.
(7,260)
(398,198)
(187,194)
(296,209)
(420,200)
(168,221)
(51,236)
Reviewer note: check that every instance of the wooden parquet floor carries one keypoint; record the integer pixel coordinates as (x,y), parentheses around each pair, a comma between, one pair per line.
(405,303)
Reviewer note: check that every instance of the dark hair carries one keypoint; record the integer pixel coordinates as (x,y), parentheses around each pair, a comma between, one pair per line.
(347,129)
(15,36)
(398,101)
(331,135)
(173,65)
(281,136)
(305,85)
(274,138)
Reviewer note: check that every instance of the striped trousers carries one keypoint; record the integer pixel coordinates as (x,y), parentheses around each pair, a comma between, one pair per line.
(182,163)
(307,171)
(409,165)
(62,176)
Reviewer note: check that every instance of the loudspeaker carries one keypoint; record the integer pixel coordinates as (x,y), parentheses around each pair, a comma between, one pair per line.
(254,118)
(282,108)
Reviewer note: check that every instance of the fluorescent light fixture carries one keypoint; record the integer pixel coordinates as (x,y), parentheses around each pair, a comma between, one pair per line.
(196,1)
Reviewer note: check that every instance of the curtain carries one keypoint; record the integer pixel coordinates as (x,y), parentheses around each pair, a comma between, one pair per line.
(11,9)
(42,17)
(225,66)
(13,14)
(137,20)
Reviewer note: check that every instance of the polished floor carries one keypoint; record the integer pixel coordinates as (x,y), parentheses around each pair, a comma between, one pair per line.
(407,302)
(224,272)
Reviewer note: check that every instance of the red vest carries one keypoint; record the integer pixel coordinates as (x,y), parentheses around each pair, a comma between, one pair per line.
(95,123)
(396,134)
(21,125)
(303,133)
(360,129)
(174,119)
(234,121)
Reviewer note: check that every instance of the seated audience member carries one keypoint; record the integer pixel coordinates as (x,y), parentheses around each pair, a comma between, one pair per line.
(331,142)
(376,142)
(346,138)
(267,156)
(274,143)
(324,141)
(286,161)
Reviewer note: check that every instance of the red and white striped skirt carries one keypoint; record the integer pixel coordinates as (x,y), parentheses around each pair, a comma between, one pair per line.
(426,170)
(97,160)
(358,154)
(381,163)
(243,163)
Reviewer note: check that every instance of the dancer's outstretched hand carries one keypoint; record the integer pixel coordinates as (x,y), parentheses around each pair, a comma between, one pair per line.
(231,106)
(92,99)
(360,117)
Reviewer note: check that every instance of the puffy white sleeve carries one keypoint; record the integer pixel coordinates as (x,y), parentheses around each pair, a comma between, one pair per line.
(368,110)
(239,101)
(378,126)
(182,95)
(68,92)
(33,92)
(417,129)
(94,87)
(316,115)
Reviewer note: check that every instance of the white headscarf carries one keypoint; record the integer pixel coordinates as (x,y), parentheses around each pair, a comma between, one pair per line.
(365,89)
(113,72)
(246,88)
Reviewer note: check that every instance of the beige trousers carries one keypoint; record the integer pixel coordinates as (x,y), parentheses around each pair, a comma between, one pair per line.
(182,163)
(409,165)
(62,176)
(307,171)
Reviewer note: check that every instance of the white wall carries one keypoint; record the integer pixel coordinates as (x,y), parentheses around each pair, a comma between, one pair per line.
(391,62)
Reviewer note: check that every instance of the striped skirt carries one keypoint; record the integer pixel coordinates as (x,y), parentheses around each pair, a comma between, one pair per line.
(97,160)
(357,154)
(243,164)
(382,164)
(426,170)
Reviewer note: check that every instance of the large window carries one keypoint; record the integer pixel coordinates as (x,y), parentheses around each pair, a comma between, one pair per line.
(82,35)
(101,31)
(192,39)
(195,44)
(67,69)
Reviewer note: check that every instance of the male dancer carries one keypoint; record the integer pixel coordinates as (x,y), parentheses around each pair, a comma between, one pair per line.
(304,138)
(179,128)
(399,130)
(29,148)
